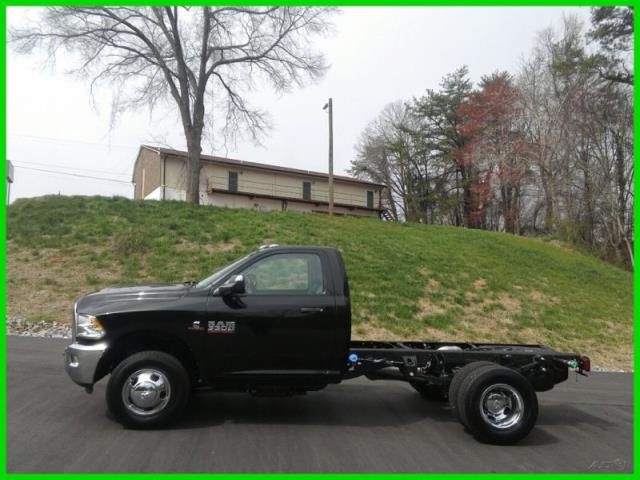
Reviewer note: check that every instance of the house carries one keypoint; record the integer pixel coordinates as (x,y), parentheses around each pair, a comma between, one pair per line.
(161,174)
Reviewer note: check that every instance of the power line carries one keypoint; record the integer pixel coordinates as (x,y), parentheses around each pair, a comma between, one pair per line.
(70,168)
(65,140)
(75,175)
(130,166)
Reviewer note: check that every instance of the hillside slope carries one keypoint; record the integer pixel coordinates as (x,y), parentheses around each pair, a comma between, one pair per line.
(407,280)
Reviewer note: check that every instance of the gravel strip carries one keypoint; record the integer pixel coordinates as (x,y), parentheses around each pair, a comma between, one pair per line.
(18,326)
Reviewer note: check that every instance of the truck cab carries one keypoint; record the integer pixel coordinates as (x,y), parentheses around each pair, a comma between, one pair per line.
(278,316)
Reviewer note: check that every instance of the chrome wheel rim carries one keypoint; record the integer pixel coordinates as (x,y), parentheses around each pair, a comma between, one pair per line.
(146,392)
(501,406)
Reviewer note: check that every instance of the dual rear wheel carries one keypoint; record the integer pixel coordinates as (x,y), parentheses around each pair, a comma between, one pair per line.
(497,404)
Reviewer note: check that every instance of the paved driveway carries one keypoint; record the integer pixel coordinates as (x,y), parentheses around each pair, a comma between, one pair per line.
(358,426)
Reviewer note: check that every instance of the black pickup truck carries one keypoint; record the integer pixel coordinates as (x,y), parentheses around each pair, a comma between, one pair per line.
(278,322)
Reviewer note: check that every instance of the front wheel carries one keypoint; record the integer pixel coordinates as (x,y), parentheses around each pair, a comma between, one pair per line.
(147,390)
(498,405)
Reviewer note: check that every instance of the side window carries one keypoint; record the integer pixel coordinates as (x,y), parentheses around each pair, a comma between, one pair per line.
(369,199)
(286,274)
(306,190)
(233,181)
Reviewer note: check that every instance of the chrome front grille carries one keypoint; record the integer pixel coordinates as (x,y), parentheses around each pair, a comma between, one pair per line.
(73,321)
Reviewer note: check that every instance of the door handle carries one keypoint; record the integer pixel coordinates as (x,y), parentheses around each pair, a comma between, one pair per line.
(311,309)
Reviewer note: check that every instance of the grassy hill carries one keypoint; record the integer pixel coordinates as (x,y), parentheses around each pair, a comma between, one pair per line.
(407,281)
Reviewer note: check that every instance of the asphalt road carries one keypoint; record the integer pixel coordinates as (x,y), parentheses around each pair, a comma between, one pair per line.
(358,426)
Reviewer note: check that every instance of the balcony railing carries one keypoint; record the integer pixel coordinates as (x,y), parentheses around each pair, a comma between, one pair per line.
(250,187)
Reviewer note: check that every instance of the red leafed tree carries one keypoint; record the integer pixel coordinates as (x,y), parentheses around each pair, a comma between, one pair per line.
(493,152)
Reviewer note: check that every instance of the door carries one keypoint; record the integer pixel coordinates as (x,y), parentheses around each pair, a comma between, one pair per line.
(284,324)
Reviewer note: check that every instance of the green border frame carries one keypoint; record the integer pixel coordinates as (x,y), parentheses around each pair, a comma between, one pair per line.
(449,3)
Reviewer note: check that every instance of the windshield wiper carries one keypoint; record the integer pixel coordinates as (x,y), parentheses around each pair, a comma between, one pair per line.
(191,283)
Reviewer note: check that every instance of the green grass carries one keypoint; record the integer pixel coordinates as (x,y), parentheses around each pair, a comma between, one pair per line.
(407,280)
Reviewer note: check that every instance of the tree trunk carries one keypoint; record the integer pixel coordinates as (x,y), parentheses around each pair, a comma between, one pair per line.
(194,139)
(458,221)
(549,219)
(506,205)
(388,180)
(621,214)
(468,208)
(588,203)
(517,227)
(620,177)
(626,242)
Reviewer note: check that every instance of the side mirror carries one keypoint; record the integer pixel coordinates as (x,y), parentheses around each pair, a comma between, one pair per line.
(233,286)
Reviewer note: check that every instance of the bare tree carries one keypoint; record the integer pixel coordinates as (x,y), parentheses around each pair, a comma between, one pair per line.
(578,126)
(383,156)
(187,54)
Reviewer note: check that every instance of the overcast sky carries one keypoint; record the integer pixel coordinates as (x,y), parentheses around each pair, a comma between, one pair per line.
(377,55)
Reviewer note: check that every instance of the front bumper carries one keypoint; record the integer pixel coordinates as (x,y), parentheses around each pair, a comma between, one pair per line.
(81,362)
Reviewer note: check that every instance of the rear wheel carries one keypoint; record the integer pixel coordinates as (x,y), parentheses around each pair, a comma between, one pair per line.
(147,390)
(498,405)
(461,374)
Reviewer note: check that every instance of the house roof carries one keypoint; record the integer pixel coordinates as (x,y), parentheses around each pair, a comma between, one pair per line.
(260,166)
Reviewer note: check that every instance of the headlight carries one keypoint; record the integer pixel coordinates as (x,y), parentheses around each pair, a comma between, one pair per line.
(88,327)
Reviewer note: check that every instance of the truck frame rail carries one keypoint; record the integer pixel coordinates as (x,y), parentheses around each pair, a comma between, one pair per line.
(435,363)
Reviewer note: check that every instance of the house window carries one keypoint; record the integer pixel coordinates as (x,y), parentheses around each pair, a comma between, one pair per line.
(306,190)
(233,181)
(369,199)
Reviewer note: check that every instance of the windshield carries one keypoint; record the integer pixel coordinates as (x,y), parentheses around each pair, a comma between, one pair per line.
(218,274)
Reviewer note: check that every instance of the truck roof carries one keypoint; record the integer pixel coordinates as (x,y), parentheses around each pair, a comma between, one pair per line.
(275,246)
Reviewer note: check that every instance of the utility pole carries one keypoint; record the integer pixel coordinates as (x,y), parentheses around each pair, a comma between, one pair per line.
(329,106)
(9,180)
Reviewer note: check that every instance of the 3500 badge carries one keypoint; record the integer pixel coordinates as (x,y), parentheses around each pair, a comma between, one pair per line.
(221,327)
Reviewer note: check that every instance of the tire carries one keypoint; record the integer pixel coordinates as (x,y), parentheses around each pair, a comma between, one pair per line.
(431,392)
(458,378)
(497,405)
(163,390)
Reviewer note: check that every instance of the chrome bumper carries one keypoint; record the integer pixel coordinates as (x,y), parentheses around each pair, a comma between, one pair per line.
(81,362)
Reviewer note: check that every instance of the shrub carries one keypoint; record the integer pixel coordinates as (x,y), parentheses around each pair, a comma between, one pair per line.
(130,242)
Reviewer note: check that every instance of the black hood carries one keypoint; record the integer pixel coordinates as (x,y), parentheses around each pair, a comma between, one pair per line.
(130,297)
